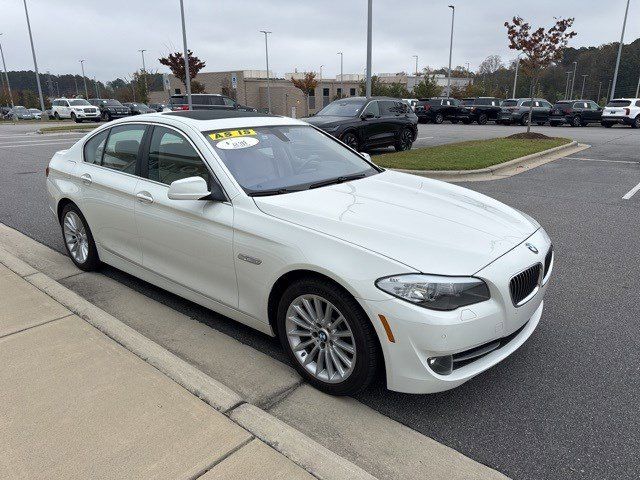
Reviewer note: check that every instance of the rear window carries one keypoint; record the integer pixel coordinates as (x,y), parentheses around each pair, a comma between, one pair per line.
(484,101)
(510,103)
(619,103)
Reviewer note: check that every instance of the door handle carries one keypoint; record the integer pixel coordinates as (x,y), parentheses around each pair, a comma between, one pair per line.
(86,178)
(144,197)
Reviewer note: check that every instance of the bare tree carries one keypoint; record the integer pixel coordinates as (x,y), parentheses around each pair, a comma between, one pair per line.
(490,65)
(540,48)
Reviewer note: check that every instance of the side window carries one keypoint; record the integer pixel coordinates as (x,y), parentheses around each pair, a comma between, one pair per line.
(121,152)
(171,158)
(94,148)
(387,108)
(229,102)
(526,104)
(373,108)
(215,100)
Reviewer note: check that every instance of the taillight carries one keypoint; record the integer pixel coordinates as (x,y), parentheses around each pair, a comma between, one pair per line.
(473,109)
(181,107)
(46,171)
(627,111)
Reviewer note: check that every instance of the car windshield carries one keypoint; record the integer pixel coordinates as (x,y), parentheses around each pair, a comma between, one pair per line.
(279,159)
(78,102)
(510,103)
(342,108)
(113,103)
(619,103)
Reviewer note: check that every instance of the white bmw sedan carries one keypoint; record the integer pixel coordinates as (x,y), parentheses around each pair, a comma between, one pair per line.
(279,226)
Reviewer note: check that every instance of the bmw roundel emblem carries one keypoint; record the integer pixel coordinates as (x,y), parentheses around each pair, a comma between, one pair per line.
(531,247)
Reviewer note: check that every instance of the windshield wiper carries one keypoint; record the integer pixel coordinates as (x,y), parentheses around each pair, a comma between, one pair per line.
(333,181)
(274,191)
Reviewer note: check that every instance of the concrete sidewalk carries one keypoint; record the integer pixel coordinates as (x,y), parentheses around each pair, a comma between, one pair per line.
(76,404)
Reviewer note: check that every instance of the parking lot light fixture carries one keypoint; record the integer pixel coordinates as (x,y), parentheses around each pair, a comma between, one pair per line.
(144,72)
(573,78)
(416,57)
(584,78)
(615,73)
(187,78)
(266,53)
(369,27)
(453,14)
(566,88)
(95,84)
(6,76)
(35,62)
(638,87)
(84,79)
(341,74)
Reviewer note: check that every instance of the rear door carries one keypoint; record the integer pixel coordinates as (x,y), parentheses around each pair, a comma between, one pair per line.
(107,179)
(187,241)
(391,113)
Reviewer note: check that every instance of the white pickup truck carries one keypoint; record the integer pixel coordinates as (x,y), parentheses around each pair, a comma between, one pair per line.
(622,110)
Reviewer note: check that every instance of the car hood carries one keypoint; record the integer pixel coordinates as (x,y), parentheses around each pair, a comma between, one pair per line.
(431,226)
(322,121)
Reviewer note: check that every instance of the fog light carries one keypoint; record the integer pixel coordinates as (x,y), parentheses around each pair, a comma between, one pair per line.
(441,365)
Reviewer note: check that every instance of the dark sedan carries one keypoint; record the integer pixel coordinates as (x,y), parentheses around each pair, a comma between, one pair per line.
(139,108)
(369,123)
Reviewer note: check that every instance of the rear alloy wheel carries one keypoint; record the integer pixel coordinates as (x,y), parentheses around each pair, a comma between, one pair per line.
(576,121)
(524,120)
(405,141)
(78,239)
(327,336)
(351,140)
(482,119)
(56,116)
(439,118)
(636,122)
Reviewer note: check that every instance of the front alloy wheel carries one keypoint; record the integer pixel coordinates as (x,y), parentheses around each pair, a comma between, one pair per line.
(405,141)
(351,140)
(439,118)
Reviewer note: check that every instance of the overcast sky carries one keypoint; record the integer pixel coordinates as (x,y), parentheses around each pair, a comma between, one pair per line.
(306,33)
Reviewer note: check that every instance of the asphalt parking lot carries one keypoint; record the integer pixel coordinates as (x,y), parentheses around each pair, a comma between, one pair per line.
(565,405)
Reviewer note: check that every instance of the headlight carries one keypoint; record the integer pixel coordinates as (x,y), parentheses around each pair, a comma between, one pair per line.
(434,291)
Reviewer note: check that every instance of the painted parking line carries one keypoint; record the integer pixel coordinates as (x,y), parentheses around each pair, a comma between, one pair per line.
(599,160)
(51,142)
(631,192)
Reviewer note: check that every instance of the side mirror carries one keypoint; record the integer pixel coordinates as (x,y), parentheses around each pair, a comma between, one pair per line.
(368,115)
(191,188)
(366,156)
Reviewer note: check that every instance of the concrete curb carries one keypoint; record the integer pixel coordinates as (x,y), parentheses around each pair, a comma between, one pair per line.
(488,171)
(318,460)
(293,444)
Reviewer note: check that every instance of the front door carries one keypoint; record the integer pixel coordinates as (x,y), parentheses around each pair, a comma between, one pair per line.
(373,126)
(107,180)
(187,241)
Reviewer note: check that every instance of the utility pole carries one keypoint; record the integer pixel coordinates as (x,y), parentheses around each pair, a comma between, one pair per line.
(144,72)
(35,62)
(369,26)
(615,74)
(453,14)
(6,76)
(187,77)
(573,78)
(266,53)
(341,74)
(84,79)
(515,79)
(584,77)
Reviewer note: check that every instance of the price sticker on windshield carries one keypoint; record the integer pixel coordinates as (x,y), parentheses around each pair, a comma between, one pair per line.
(232,133)
(235,143)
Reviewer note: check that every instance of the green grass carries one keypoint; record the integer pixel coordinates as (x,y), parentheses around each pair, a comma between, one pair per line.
(466,155)
(68,128)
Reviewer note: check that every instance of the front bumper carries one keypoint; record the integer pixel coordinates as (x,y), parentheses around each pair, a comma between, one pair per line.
(83,114)
(421,334)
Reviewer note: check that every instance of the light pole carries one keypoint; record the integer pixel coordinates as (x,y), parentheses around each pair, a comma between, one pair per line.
(84,79)
(321,71)
(369,24)
(187,78)
(453,14)
(35,62)
(615,74)
(416,57)
(6,75)
(584,77)
(515,79)
(599,89)
(95,84)
(266,53)
(144,71)
(638,87)
(341,73)
(566,88)
(573,78)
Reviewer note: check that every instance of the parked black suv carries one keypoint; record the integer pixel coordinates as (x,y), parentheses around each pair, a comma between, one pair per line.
(438,109)
(577,113)
(365,123)
(110,108)
(206,101)
(481,110)
(139,108)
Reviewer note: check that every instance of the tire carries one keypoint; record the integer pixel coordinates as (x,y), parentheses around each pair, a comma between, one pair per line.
(56,116)
(482,119)
(76,231)
(524,120)
(636,122)
(606,124)
(356,334)
(106,116)
(405,141)
(576,121)
(439,118)
(351,139)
